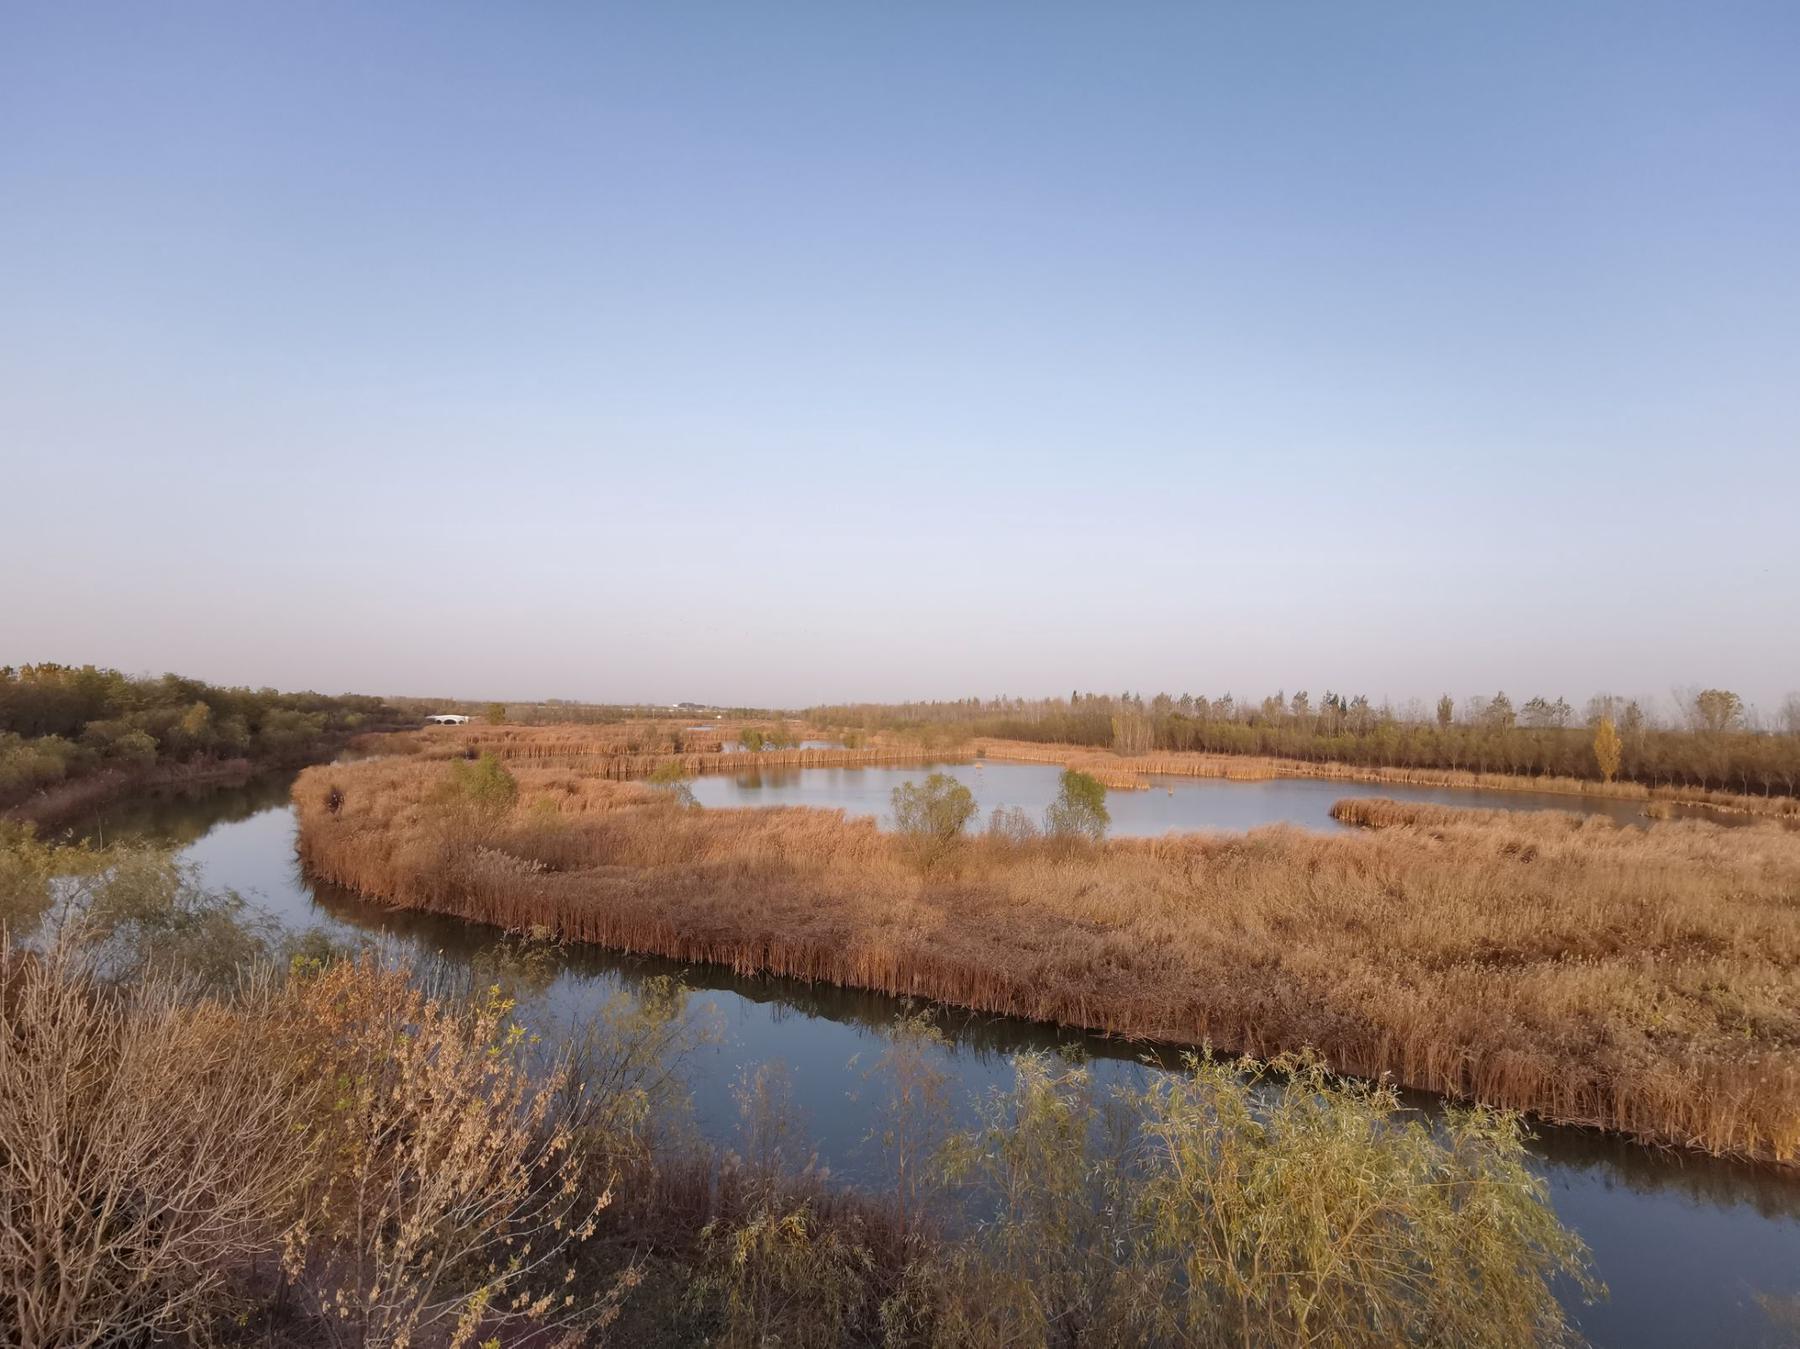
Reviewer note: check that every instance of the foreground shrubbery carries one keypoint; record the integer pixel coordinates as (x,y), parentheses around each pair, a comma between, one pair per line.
(347,1150)
(184,1146)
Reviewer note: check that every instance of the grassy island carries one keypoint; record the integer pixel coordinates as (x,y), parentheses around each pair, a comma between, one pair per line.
(1643,980)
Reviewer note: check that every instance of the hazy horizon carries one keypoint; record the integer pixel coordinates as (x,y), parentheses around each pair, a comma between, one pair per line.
(822,354)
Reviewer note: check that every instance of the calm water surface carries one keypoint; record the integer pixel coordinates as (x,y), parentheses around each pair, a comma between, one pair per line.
(1686,1245)
(1170,803)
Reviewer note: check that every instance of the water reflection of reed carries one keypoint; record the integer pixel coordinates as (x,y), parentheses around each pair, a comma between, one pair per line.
(180,816)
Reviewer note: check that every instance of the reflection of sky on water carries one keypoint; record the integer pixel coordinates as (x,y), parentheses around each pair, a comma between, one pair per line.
(1170,802)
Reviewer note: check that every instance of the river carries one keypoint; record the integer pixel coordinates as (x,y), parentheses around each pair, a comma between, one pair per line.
(1689,1246)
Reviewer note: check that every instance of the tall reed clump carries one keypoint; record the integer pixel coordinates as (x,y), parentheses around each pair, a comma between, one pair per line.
(1641,980)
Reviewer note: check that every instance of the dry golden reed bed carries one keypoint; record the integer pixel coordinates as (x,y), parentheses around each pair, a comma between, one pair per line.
(619,752)
(1128,771)
(1642,980)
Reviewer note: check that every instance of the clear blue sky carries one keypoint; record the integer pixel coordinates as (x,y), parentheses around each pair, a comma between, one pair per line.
(785,352)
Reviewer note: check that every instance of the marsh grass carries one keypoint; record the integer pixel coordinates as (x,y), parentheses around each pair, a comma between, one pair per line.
(1127,772)
(1640,980)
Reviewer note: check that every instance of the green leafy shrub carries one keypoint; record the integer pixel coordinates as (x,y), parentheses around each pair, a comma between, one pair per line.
(1079,811)
(1249,1204)
(672,779)
(483,784)
(931,816)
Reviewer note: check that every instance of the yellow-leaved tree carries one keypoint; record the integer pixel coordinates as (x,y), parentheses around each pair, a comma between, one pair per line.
(1607,748)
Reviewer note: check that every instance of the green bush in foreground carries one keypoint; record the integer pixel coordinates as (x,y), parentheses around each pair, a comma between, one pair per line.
(1234,1203)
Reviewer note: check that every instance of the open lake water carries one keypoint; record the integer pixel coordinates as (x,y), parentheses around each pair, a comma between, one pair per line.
(1170,802)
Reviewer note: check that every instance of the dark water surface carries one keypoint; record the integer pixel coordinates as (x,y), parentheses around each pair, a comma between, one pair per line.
(1170,802)
(1687,1245)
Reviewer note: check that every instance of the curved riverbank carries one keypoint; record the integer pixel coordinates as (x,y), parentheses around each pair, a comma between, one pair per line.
(1642,981)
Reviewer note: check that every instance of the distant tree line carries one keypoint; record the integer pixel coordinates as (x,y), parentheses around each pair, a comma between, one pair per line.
(1713,743)
(566,711)
(62,722)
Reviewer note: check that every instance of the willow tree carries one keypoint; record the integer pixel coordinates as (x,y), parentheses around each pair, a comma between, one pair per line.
(1079,811)
(931,817)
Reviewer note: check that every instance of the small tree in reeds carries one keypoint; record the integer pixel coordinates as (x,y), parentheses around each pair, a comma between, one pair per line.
(1011,827)
(672,780)
(485,782)
(1079,811)
(930,817)
(482,785)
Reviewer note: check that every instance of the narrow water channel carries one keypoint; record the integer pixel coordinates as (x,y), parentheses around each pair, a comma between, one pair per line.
(1691,1248)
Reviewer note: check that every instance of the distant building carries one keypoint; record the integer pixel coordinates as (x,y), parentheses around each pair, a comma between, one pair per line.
(448,719)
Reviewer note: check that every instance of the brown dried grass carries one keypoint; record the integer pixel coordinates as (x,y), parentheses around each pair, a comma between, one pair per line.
(630,751)
(1640,980)
(1127,771)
